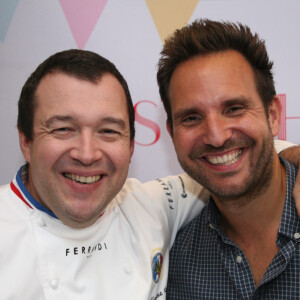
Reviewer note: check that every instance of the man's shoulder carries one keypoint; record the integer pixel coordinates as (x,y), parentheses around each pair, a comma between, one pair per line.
(4,186)
(151,194)
(4,190)
(171,185)
(178,198)
(197,229)
(181,184)
(8,203)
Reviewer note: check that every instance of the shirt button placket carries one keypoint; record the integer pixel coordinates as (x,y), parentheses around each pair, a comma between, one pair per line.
(239,259)
(54,284)
(128,269)
(296,235)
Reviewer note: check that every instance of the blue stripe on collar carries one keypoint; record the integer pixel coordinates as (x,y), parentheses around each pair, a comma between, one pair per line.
(30,198)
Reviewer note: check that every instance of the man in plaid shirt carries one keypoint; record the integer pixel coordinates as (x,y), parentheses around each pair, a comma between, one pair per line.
(217,86)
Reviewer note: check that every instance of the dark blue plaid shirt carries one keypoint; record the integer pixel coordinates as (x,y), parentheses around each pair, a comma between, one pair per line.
(206,264)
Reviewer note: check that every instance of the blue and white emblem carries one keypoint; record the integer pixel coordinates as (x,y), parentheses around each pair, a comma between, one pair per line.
(157,264)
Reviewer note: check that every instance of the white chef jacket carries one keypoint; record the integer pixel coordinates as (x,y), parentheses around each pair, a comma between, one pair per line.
(124,255)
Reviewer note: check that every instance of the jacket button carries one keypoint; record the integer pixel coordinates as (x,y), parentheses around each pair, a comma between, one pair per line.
(54,284)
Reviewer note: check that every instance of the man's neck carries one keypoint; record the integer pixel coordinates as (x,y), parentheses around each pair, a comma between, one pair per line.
(253,222)
(252,212)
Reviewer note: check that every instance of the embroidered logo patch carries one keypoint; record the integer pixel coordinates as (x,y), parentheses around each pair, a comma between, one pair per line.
(156,264)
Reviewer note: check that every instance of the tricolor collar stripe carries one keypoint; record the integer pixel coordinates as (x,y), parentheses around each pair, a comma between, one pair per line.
(18,187)
(17,192)
(23,191)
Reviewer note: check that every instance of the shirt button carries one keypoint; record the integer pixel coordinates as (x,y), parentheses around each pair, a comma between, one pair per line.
(239,259)
(41,222)
(128,270)
(116,210)
(211,226)
(297,235)
(54,284)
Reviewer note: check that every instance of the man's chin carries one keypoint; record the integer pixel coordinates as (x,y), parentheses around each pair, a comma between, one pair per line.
(232,192)
(222,186)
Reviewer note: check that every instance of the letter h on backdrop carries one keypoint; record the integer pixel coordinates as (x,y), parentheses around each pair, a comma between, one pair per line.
(284,118)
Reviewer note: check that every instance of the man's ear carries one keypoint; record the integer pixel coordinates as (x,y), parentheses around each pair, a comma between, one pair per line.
(275,109)
(25,145)
(169,128)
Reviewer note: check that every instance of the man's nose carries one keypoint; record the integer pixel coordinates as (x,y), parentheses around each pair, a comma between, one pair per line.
(87,148)
(216,131)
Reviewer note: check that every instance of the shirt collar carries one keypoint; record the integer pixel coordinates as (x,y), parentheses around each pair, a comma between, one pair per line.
(21,191)
(290,222)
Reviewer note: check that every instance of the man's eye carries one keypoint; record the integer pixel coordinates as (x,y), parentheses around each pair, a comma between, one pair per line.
(191,119)
(109,135)
(62,129)
(109,131)
(235,109)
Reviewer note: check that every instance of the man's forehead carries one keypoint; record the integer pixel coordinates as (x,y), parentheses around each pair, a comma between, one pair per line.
(207,61)
(60,82)
(215,79)
(228,67)
(65,95)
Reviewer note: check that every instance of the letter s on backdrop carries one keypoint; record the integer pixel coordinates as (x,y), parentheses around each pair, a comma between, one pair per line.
(146,122)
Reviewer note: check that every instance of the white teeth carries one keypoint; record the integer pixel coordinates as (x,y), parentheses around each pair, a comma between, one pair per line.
(213,160)
(82,179)
(220,159)
(226,159)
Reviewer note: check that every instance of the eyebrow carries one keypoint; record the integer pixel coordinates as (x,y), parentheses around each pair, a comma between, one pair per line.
(106,120)
(238,100)
(56,118)
(113,120)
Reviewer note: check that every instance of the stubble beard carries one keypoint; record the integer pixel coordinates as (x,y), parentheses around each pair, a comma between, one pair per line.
(260,172)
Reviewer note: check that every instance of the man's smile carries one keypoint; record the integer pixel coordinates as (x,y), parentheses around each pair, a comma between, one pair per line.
(224,159)
(83,179)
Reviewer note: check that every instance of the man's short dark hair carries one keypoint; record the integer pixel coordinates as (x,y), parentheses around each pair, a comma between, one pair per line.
(204,37)
(85,65)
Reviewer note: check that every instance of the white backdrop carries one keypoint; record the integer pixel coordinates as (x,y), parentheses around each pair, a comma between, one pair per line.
(130,34)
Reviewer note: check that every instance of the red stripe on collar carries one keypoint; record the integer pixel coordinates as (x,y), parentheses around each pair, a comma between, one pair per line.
(17,192)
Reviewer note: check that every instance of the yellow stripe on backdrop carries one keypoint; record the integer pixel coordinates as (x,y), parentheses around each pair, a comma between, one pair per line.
(169,15)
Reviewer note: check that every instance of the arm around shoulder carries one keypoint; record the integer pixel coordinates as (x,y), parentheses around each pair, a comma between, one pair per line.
(291,152)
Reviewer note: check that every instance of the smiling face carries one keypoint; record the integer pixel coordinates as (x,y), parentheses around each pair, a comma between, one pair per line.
(81,150)
(221,133)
